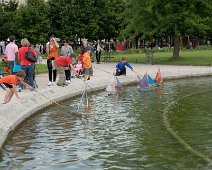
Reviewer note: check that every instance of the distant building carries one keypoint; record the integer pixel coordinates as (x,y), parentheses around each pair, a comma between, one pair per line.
(20,2)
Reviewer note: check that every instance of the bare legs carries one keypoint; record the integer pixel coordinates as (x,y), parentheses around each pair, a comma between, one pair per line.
(9,94)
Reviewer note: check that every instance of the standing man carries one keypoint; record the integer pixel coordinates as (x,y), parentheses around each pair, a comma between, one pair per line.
(11,52)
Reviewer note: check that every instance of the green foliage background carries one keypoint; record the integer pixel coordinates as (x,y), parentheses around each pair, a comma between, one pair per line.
(67,19)
(105,19)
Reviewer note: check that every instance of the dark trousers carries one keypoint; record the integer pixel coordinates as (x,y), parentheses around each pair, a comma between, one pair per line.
(11,65)
(122,72)
(68,74)
(51,71)
(98,56)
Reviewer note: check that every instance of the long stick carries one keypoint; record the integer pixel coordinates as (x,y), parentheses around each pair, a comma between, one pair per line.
(103,70)
(136,72)
(86,83)
(112,74)
(72,113)
(138,75)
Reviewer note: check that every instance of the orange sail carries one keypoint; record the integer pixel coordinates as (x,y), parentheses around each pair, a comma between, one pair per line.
(159,78)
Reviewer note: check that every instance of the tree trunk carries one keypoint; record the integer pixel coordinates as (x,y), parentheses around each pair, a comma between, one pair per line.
(176,51)
(161,42)
(136,42)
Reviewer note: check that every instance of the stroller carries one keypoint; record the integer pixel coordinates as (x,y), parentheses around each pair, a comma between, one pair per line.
(4,67)
(4,70)
(77,71)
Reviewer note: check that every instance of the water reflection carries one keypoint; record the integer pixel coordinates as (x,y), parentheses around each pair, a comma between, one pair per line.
(124,131)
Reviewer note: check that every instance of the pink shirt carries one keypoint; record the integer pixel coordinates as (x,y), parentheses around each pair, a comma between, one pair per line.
(10,51)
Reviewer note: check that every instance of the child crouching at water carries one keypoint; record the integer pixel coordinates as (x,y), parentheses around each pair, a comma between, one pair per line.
(10,82)
(120,67)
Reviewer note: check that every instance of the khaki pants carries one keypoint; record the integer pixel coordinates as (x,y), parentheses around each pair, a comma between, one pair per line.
(61,73)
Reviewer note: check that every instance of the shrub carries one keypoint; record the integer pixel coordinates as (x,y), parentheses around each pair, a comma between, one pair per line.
(203,47)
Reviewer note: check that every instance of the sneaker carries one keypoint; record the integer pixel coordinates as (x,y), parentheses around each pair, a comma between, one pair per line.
(50,83)
(65,84)
(19,88)
(60,85)
(54,83)
(68,81)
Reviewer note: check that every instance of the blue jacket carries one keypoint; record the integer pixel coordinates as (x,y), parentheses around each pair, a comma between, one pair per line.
(120,65)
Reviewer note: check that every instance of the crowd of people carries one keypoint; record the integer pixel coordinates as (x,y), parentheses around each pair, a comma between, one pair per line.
(21,62)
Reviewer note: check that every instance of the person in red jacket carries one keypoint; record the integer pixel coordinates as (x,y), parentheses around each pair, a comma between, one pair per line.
(9,83)
(26,65)
(61,64)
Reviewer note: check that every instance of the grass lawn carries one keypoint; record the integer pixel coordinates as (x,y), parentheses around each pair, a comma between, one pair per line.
(197,58)
(201,58)
(41,68)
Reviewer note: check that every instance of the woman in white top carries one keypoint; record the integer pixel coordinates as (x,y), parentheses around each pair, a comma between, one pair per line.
(98,49)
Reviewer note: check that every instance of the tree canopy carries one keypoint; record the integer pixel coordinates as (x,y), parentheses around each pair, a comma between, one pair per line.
(155,18)
(105,19)
(67,19)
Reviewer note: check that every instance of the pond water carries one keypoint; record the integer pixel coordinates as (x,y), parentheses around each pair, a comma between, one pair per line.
(169,128)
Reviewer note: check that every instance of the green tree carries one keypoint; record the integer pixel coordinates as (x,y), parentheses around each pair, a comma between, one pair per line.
(7,20)
(73,17)
(33,22)
(91,19)
(156,17)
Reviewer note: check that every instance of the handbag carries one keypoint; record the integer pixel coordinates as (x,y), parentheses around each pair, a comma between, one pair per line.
(29,56)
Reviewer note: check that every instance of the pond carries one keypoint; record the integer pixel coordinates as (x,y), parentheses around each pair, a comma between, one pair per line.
(169,127)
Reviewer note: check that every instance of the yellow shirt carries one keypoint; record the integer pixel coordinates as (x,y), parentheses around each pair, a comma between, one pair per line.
(87,60)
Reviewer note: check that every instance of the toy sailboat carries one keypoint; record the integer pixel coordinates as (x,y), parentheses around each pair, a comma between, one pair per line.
(114,85)
(118,84)
(83,99)
(158,78)
(146,83)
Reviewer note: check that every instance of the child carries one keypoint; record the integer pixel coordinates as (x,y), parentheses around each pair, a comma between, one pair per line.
(10,83)
(17,65)
(74,60)
(120,67)
(87,63)
(61,64)
(16,68)
(78,68)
